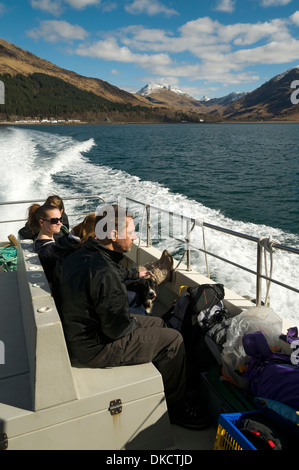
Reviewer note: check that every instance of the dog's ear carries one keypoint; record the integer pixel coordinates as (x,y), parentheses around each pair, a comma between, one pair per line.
(162,268)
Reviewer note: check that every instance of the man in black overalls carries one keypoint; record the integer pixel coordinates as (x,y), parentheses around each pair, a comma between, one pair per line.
(101,332)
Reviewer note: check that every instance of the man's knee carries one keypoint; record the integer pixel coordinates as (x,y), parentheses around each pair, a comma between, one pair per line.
(173,338)
(150,322)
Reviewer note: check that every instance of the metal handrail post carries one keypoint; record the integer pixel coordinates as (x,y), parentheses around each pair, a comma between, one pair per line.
(258,275)
(148,225)
(188,246)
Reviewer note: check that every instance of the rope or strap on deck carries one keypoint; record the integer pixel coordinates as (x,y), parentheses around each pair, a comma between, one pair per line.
(268,245)
(8,258)
(187,240)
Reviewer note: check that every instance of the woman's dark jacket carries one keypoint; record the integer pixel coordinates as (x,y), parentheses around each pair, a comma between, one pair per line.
(50,251)
(45,248)
(93,300)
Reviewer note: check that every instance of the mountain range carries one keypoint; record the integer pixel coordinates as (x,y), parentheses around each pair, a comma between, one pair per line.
(154,89)
(30,83)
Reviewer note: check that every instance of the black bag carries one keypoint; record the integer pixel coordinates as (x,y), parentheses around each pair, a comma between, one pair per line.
(205,296)
(183,316)
(174,317)
(183,313)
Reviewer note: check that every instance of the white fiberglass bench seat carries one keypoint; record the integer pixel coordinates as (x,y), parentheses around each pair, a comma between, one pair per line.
(48,403)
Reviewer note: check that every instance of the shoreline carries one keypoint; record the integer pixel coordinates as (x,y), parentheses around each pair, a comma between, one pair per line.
(10,123)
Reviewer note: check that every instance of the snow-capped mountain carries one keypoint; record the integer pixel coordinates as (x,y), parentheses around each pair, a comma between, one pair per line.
(272,100)
(156,88)
(224,100)
(283,74)
(205,99)
(170,97)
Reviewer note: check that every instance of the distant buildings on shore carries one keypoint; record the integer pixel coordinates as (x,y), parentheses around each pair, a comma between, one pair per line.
(45,121)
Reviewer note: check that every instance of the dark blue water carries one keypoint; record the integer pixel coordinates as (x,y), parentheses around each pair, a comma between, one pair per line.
(249,172)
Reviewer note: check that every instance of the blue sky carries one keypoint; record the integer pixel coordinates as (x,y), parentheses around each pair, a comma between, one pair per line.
(202,47)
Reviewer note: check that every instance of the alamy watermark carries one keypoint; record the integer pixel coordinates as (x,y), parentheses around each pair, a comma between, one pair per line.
(295,94)
(2,92)
(295,354)
(163,225)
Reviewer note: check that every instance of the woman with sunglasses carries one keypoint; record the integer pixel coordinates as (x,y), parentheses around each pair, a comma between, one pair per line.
(47,221)
(57,203)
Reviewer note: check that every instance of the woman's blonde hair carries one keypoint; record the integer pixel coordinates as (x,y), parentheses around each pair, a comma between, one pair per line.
(56,202)
(86,228)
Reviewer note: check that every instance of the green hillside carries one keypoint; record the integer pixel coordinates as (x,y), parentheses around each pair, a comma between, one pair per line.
(44,96)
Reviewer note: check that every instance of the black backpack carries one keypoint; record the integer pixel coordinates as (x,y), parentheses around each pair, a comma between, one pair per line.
(183,313)
(205,296)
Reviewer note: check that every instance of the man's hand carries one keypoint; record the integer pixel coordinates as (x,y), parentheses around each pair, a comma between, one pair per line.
(146,273)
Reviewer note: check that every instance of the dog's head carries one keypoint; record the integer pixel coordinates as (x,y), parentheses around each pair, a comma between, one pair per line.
(161,268)
(147,289)
(151,287)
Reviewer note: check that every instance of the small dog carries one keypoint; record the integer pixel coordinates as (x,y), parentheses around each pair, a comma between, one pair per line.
(147,287)
(147,290)
(161,268)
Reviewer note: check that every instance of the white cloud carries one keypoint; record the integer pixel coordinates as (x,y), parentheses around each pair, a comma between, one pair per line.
(161,64)
(225,49)
(51,6)
(295,18)
(207,31)
(56,7)
(213,51)
(53,31)
(204,37)
(109,49)
(81,4)
(275,3)
(272,53)
(226,5)
(108,6)
(150,7)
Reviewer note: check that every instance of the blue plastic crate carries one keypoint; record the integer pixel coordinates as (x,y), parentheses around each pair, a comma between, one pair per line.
(228,436)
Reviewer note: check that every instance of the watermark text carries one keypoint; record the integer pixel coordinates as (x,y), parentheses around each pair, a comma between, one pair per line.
(2,353)
(178,460)
(295,354)
(295,94)
(2,92)
(163,224)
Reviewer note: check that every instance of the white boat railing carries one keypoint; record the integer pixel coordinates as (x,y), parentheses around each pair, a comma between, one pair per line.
(191,223)
(29,202)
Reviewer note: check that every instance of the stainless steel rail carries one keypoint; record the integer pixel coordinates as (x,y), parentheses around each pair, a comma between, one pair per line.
(191,223)
(68,198)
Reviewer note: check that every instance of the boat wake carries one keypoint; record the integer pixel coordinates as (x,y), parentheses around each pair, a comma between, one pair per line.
(34,163)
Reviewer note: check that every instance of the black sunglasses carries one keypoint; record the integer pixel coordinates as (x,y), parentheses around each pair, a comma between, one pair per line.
(54,220)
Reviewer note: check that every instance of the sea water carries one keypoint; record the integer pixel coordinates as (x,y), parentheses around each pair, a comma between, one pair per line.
(243,177)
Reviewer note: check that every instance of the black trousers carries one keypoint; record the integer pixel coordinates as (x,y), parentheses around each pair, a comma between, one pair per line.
(155,343)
